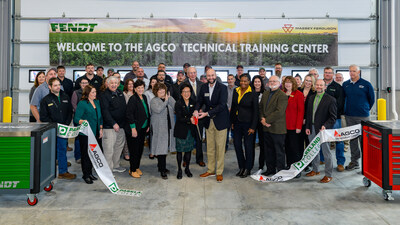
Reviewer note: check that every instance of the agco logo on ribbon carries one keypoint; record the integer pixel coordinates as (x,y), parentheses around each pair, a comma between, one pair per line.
(311,152)
(96,157)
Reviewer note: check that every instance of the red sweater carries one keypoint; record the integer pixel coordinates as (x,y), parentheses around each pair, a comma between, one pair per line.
(295,111)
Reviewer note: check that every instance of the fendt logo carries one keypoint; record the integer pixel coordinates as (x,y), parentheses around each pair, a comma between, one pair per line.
(9,184)
(73,27)
(287,28)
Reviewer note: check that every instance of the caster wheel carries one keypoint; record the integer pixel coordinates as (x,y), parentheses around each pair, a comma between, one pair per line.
(48,188)
(366,182)
(387,195)
(34,202)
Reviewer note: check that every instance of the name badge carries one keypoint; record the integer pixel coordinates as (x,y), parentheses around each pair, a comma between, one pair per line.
(206,94)
(65,101)
(50,104)
(361,86)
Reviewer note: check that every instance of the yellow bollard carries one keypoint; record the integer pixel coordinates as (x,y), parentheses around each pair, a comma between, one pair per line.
(381,109)
(7,105)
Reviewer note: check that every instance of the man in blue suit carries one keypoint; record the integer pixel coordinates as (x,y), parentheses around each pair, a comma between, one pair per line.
(213,96)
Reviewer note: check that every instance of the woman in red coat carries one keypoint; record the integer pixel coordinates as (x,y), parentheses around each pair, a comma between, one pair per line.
(294,120)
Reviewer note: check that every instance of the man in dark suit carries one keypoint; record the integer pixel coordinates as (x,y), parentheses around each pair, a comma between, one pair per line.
(196,86)
(273,118)
(321,115)
(213,96)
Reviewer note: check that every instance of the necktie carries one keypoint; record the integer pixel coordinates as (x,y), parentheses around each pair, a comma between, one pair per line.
(194,88)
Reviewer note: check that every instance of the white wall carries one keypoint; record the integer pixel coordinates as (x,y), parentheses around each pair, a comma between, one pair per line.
(350,30)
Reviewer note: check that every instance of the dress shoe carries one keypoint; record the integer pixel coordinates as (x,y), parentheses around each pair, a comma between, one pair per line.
(88,180)
(179,176)
(164,175)
(202,164)
(326,179)
(188,173)
(69,164)
(312,173)
(340,168)
(69,149)
(245,174)
(321,163)
(139,172)
(219,178)
(67,176)
(126,158)
(92,177)
(166,171)
(184,164)
(134,174)
(207,174)
(298,176)
(240,173)
(268,173)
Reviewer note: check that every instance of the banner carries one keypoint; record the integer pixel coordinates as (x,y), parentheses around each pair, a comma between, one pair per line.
(311,152)
(223,42)
(96,157)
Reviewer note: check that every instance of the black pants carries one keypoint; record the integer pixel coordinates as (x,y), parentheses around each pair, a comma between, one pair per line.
(135,146)
(85,160)
(240,131)
(199,142)
(162,163)
(292,147)
(274,152)
(187,156)
(261,158)
(303,140)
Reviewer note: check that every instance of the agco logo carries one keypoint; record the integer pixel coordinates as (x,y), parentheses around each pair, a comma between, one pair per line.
(287,28)
(73,27)
(336,134)
(96,156)
(346,133)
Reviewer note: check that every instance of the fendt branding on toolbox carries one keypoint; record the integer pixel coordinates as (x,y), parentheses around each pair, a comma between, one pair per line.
(73,27)
(9,184)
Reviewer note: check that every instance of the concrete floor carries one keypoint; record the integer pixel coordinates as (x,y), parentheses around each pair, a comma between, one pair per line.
(204,201)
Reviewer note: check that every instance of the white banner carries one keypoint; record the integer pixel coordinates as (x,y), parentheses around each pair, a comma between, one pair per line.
(96,156)
(311,152)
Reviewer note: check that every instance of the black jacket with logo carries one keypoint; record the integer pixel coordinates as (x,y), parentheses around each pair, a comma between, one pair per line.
(56,110)
(113,108)
(336,90)
(96,82)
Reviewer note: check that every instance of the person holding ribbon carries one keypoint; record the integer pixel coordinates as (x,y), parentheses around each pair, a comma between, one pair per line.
(185,129)
(244,119)
(89,110)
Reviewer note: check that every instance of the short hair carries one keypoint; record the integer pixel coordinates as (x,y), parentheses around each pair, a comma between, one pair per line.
(297,75)
(313,69)
(328,68)
(60,67)
(51,69)
(127,83)
(116,73)
(99,67)
(231,75)
(291,80)
(158,71)
(157,87)
(111,78)
(186,65)
(52,80)
(262,83)
(278,63)
(354,65)
(89,64)
(36,82)
(204,76)
(239,66)
(84,78)
(183,86)
(246,75)
(139,83)
(161,64)
(86,91)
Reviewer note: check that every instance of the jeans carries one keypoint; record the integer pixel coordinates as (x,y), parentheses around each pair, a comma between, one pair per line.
(77,149)
(340,159)
(62,155)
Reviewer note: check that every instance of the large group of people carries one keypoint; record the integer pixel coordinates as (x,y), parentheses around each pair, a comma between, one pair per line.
(282,112)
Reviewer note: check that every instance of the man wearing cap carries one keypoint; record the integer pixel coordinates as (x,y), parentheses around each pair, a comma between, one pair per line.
(263,75)
(239,72)
(168,79)
(110,72)
(100,71)
(185,67)
(180,78)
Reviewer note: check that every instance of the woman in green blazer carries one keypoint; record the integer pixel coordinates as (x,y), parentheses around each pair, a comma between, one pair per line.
(88,109)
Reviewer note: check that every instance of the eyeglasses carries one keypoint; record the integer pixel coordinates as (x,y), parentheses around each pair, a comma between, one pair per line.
(273,81)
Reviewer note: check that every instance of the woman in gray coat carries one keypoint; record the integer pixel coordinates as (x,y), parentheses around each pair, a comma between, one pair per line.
(162,126)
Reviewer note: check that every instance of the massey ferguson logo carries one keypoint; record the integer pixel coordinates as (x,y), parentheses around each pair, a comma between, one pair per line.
(287,28)
(96,156)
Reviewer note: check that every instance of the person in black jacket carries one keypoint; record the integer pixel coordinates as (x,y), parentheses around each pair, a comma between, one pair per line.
(138,119)
(244,119)
(113,109)
(94,80)
(56,108)
(321,115)
(175,91)
(184,130)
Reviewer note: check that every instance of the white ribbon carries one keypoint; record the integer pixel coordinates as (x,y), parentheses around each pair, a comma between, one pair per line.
(96,157)
(311,152)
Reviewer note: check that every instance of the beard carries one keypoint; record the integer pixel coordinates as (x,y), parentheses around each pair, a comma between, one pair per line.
(273,87)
